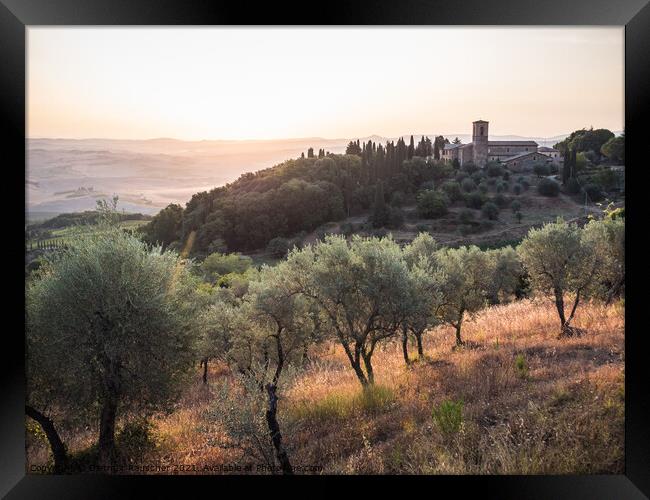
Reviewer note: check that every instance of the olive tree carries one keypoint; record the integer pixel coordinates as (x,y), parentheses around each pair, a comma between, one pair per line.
(111,328)
(358,287)
(506,273)
(425,279)
(559,259)
(464,287)
(259,335)
(607,239)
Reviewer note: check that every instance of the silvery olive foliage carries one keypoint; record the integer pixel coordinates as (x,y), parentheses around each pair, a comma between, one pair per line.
(359,287)
(561,258)
(464,287)
(109,311)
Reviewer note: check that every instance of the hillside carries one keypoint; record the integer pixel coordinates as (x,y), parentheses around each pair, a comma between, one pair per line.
(374,188)
(514,401)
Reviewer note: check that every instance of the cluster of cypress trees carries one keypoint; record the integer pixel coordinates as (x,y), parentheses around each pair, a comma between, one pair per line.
(382,162)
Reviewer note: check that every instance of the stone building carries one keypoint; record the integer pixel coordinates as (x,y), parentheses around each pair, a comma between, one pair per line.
(552,153)
(515,154)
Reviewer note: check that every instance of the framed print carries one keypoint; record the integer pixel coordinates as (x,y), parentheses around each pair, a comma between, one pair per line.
(379,240)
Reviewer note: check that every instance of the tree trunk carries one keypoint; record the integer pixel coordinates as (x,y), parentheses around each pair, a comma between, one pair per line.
(405,347)
(274,430)
(56,445)
(418,337)
(355,362)
(106,446)
(360,375)
(369,372)
(458,326)
(204,363)
(559,304)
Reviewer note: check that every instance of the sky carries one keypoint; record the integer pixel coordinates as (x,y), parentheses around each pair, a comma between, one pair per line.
(272,83)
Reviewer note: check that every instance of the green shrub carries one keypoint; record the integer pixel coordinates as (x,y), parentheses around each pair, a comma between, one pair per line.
(515,206)
(422,228)
(452,190)
(501,200)
(278,247)
(494,170)
(548,187)
(432,204)
(506,176)
(594,192)
(478,176)
(448,417)
(474,200)
(521,365)
(501,187)
(517,189)
(483,187)
(490,211)
(460,175)
(541,169)
(470,167)
(468,185)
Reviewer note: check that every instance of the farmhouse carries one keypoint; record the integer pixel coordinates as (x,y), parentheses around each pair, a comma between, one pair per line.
(514,154)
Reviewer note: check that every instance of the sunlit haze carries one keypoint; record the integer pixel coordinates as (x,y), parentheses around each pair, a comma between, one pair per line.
(250,83)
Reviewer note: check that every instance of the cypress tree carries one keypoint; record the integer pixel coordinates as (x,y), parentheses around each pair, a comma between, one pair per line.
(381,213)
(566,168)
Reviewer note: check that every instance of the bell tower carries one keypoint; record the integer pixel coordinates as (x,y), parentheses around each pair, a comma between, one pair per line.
(480,140)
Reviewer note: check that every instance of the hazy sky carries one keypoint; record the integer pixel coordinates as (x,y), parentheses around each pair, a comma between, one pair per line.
(254,83)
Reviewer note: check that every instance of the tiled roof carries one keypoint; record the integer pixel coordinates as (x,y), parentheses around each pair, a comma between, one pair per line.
(520,155)
(512,143)
(453,146)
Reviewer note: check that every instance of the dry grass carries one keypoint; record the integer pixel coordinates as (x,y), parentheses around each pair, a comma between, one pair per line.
(531,404)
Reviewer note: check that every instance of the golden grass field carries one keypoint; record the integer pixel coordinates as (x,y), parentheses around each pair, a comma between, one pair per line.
(531,404)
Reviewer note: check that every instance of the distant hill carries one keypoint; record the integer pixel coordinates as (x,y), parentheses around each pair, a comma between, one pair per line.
(147,175)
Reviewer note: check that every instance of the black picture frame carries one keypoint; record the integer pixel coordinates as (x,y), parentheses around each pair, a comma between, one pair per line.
(16,15)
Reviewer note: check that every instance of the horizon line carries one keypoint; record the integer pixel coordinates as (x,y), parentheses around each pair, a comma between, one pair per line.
(150,139)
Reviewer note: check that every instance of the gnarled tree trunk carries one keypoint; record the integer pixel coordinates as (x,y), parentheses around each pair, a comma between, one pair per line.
(368,364)
(274,430)
(458,325)
(418,338)
(56,444)
(106,445)
(405,347)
